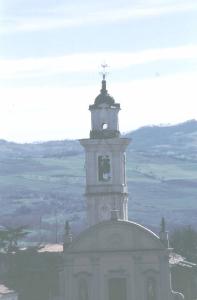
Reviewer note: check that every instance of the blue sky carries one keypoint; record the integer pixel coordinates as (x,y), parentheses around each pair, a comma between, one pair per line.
(50,57)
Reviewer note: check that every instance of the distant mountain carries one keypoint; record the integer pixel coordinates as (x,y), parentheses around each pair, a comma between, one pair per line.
(52,148)
(181,136)
(46,181)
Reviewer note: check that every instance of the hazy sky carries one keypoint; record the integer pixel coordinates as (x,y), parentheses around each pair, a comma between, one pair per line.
(50,57)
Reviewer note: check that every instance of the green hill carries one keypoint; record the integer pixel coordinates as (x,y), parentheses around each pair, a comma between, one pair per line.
(42,184)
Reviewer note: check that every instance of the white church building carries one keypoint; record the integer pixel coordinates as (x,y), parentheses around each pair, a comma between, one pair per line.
(114,259)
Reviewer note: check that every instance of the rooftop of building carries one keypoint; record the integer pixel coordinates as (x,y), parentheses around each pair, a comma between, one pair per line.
(178,260)
(4,290)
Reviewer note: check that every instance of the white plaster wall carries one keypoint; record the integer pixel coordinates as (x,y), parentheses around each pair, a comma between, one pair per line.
(113,193)
(105,115)
(120,265)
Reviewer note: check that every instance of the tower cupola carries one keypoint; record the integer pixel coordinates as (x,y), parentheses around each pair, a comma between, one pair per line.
(104,115)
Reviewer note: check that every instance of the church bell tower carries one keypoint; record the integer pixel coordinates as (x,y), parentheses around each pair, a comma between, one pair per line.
(106,187)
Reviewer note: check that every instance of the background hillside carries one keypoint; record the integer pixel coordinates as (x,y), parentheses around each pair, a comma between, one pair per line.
(42,185)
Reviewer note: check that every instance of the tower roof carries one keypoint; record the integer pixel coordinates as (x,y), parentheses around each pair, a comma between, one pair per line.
(104,98)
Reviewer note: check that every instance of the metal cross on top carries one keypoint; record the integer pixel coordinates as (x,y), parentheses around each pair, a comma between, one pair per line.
(104,72)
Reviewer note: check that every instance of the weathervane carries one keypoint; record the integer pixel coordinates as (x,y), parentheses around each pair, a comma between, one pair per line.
(104,72)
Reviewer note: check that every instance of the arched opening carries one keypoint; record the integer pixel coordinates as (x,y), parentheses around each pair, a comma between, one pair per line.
(104,168)
(104,126)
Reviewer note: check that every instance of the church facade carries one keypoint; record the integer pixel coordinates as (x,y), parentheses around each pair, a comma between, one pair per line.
(114,259)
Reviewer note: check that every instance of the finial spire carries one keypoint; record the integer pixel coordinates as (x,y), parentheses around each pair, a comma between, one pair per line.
(163,233)
(67,228)
(104,73)
(67,235)
(163,225)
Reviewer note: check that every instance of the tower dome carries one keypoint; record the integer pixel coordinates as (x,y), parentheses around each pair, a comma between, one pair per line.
(104,98)
(104,115)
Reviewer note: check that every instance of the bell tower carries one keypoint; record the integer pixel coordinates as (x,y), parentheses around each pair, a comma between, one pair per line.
(106,187)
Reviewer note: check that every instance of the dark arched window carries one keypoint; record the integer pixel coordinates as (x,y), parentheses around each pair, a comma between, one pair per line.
(104,168)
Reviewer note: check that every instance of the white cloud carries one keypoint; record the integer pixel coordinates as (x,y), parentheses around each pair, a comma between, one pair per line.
(66,16)
(31,114)
(32,67)
(167,99)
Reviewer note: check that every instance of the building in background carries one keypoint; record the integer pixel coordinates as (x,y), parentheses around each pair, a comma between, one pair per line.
(7,294)
(184,276)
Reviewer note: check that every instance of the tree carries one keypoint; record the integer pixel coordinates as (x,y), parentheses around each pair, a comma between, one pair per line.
(9,237)
(34,275)
(3,239)
(184,242)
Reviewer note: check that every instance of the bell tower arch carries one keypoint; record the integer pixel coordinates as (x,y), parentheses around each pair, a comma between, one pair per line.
(106,187)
